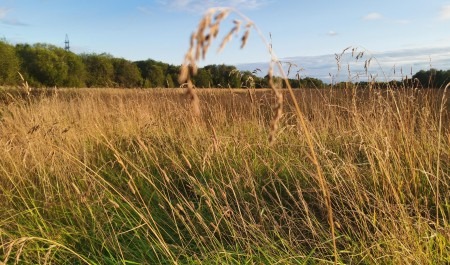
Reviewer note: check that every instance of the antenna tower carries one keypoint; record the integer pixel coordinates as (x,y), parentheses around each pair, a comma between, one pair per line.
(66,42)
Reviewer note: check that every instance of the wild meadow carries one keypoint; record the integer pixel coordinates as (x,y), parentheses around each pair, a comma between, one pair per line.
(339,175)
(132,177)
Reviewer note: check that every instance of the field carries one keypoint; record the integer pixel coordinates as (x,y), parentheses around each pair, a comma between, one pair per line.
(103,176)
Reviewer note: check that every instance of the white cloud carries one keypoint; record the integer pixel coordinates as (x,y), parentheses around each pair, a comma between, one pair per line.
(373,16)
(3,12)
(8,21)
(382,64)
(332,33)
(145,10)
(202,5)
(377,16)
(12,22)
(444,14)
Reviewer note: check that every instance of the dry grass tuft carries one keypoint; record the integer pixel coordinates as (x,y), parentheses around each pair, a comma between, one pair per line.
(201,40)
(207,31)
(25,85)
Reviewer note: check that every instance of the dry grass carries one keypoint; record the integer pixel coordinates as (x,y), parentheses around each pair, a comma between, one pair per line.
(207,31)
(112,176)
(286,177)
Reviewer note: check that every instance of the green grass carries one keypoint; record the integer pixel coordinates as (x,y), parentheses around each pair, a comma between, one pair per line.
(131,177)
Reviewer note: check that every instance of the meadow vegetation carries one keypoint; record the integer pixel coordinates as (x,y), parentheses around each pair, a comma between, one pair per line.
(132,177)
(351,174)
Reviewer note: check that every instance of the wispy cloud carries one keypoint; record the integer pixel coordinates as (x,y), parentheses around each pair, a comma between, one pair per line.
(13,22)
(4,19)
(377,16)
(386,65)
(3,12)
(444,13)
(402,21)
(373,16)
(202,5)
(145,10)
(332,33)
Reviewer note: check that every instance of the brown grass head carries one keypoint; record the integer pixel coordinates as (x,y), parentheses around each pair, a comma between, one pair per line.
(25,85)
(207,31)
(278,107)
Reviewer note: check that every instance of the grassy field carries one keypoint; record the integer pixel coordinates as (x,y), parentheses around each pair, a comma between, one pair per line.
(102,176)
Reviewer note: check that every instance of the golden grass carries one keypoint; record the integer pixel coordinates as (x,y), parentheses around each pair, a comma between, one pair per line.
(290,177)
(201,40)
(116,176)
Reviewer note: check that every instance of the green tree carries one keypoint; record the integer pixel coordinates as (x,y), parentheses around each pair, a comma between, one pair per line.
(235,78)
(77,71)
(203,78)
(9,64)
(173,71)
(169,81)
(126,74)
(156,76)
(310,82)
(100,69)
(144,68)
(42,65)
(224,76)
(248,79)
(433,78)
(155,73)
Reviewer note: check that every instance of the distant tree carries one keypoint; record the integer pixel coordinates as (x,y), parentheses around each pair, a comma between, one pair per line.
(100,70)
(76,73)
(42,65)
(224,76)
(248,79)
(173,72)
(432,78)
(126,74)
(144,68)
(48,65)
(442,78)
(156,76)
(153,73)
(235,78)
(9,64)
(310,82)
(261,82)
(203,78)
(169,81)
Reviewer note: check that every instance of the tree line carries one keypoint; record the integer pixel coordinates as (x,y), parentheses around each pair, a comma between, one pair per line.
(432,78)
(45,65)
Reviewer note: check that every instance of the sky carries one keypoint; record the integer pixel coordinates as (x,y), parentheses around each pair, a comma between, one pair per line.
(401,36)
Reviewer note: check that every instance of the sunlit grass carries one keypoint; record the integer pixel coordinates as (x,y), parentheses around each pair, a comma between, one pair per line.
(128,176)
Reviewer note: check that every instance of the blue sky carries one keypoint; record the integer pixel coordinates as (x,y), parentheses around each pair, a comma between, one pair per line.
(404,33)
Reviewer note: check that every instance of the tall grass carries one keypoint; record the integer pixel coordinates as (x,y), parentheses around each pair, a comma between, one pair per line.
(122,177)
(131,177)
